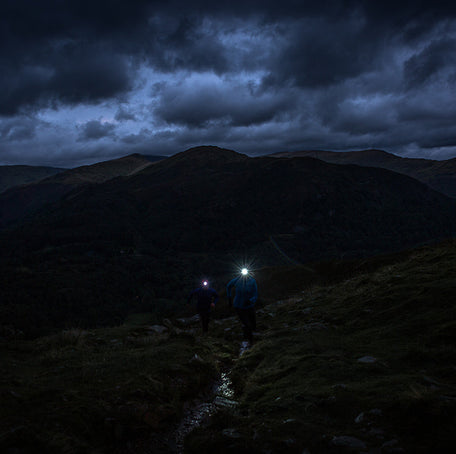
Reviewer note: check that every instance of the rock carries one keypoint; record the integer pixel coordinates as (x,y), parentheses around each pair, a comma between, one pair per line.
(348,442)
(159,329)
(287,421)
(359,418)
(168,323)
(231,433)
(367,360)
(389,444)
(339,386)
(196,359)
(376,412)
(290,442)
(379,433)
(189,320)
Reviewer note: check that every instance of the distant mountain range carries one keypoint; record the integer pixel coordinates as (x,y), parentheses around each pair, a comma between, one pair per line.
(11,176)
(214,199)
(439,175)
(20,201)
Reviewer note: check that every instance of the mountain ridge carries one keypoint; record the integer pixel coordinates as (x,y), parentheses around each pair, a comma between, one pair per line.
(440,175)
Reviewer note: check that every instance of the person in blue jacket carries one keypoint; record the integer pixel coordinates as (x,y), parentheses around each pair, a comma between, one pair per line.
(206,298)
(245,297)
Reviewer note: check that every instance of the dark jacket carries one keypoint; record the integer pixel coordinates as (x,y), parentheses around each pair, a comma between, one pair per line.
(204,298)
(246,291)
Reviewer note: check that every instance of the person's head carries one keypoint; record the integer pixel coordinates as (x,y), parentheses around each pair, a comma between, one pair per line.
(244,272)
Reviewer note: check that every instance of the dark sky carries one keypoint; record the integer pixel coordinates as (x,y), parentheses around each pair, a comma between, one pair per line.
(84,81)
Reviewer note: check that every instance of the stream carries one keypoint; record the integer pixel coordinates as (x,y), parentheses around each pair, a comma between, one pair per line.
(221,396)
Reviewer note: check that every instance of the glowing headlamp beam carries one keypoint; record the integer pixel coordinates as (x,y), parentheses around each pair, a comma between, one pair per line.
(244,271)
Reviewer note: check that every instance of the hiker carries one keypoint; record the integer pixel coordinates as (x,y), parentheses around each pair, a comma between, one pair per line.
(246,295)
(206,297)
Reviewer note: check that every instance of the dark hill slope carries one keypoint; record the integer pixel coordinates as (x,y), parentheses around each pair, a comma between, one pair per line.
(11,176)
(19,202)
(439,175)
(140,242)
(300,388)
(209,199)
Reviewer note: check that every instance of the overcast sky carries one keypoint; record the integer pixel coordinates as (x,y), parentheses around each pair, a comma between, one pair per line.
(84,81)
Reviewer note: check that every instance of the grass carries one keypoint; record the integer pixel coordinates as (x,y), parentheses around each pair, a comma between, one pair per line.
(301,384)
(124,389)
(81,391)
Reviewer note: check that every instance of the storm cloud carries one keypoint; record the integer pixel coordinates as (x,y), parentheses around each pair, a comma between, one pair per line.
(84,81)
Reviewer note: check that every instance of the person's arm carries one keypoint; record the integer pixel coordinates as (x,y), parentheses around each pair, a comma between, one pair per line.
(229,286)
(216,297)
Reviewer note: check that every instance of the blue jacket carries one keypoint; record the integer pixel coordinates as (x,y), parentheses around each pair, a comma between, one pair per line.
(204,298)
(246,291)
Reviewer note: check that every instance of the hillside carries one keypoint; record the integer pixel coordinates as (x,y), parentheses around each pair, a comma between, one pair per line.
(137,242)
(19,202)
(355,357)
(218,200)
(439,175)
(11,176)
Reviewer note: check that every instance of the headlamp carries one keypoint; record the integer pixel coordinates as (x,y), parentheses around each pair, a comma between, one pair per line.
(244,271)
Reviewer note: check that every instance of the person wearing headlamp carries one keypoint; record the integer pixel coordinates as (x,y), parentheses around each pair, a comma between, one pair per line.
(206,298)
(245,297)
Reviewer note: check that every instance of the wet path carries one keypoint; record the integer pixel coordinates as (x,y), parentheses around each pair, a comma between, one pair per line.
(222,396)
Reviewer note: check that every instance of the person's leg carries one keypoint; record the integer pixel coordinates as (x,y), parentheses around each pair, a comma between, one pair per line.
(252,318)
(204,316)
(246,323)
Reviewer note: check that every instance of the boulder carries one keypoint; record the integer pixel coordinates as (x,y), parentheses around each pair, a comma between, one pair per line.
(348,442)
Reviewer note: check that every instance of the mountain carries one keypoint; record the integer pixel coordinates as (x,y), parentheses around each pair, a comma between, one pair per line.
(11,176)
(134,242)
(439,175)
(21,201)
(216,200)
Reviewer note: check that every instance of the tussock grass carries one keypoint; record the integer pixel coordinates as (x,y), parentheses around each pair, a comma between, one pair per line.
(300,387)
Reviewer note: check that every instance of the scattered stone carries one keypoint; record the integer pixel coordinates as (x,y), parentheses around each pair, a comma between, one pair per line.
(159,329)
(389,444)
(359,418)
(188,320)
(339,385)
(290,442)
(348,442)
(228,329)
(231,433)
(376,412)
(287,421)
(367,360)
(168,323)
(245,345)
(379,433)
(196,359)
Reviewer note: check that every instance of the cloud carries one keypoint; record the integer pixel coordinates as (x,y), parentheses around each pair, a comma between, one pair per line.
(256,76)
(124,114)
(430,62)
(18,129)
(200,100)
(96,129)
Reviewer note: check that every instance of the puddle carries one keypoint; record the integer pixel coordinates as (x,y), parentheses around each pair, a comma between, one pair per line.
(222,396)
